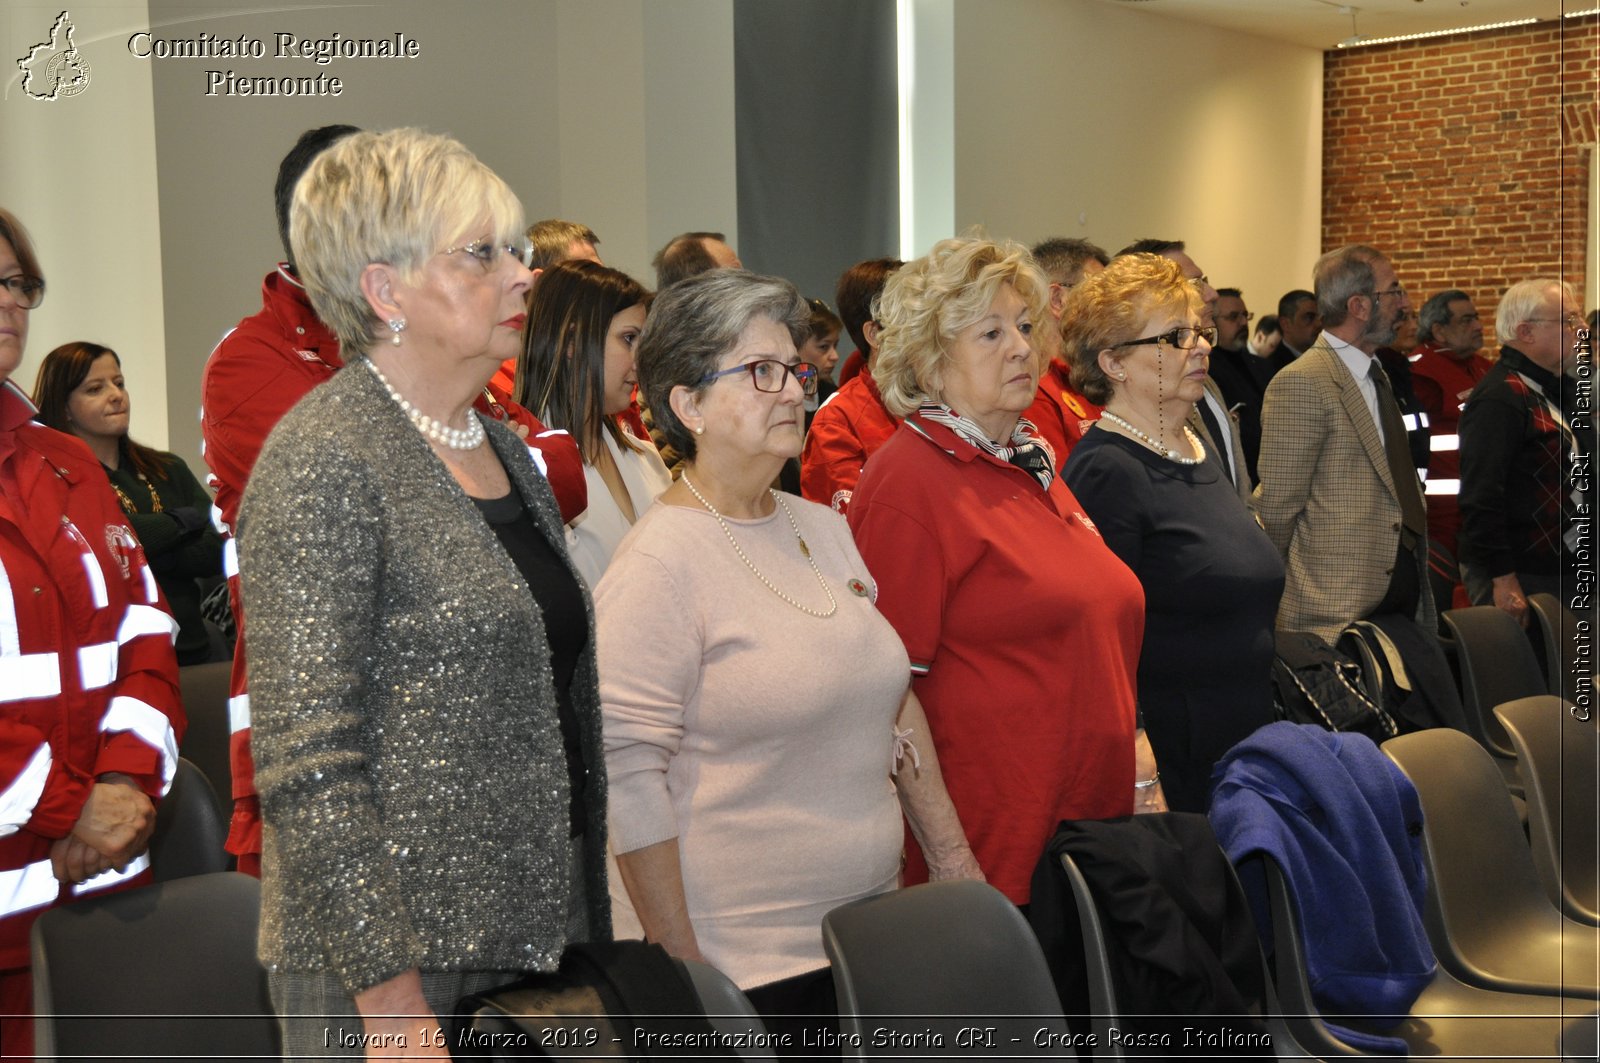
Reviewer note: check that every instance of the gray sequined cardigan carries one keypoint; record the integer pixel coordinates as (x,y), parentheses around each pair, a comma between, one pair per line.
(413,785)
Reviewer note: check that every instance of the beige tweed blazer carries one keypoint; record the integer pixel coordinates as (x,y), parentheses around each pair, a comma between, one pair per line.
(1327,498)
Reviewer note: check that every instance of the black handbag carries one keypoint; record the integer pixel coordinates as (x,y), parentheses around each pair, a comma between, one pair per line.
(609,1001)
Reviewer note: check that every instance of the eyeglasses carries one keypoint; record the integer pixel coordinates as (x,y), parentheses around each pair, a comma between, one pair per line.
(1237,315)
(771,375)
(27,291)
(487,252)
(1571,321)
(1182,338)
(1398,289)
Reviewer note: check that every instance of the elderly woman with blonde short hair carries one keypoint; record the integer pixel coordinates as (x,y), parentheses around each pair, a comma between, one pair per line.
(422,673)
(1166,507)
(1022,628)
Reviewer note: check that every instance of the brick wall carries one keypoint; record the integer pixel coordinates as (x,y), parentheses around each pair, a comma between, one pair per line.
(1465,158)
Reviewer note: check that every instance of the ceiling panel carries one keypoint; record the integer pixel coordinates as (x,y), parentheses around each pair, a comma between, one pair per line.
(1323,24)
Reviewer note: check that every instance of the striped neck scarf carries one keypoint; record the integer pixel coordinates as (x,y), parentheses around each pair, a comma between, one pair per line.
(1027,451)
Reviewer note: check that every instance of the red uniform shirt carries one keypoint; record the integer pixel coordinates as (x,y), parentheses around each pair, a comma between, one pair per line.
(555,452)
(846,430)
(1023,630)
(1060,412)
(88,680)
(1441,381)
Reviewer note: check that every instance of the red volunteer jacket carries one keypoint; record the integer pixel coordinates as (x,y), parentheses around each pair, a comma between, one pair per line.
(844,433)
(88,680)
(1442,381)
(1060,412)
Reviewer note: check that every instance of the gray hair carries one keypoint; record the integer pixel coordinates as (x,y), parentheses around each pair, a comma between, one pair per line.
(1340,274)
(389,197)
(696,321)
(1523,300)
(1436,311)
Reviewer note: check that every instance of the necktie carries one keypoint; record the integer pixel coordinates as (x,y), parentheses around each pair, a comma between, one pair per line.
(1413,514)
(1219,438)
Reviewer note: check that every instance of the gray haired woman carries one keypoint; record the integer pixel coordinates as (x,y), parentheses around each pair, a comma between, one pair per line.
(422,671)
(751,790)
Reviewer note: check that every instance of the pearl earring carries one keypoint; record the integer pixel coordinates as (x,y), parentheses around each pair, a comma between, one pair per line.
(397,325)
(700,431)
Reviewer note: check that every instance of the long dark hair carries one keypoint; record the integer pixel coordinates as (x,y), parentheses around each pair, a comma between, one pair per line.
(561,371)
(63,370)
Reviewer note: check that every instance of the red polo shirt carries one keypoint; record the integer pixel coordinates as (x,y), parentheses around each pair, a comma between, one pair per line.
(1023,630)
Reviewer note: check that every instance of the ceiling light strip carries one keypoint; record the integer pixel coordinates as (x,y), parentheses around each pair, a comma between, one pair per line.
(1439,33)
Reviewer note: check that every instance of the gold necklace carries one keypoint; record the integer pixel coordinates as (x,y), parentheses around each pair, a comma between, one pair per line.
(833,605)
(127,503)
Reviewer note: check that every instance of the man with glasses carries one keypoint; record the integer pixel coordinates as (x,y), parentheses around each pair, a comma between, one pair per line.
(1525,448)
(1445,367)
(1339,494)
(1241,376)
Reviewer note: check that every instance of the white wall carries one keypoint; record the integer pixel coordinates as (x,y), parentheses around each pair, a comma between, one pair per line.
(1140,126)
(80,173)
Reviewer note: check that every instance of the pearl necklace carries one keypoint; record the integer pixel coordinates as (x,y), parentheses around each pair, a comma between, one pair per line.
(833,605)
(1199,448)
(467,438)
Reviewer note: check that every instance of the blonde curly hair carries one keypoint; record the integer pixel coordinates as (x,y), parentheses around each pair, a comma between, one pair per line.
(927,302)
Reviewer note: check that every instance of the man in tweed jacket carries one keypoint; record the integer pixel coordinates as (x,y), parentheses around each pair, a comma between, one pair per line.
(1327,497)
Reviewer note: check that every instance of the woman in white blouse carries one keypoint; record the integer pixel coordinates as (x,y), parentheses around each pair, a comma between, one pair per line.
(576,371)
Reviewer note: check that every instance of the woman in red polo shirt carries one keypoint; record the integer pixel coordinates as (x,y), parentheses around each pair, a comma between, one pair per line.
(1023,629)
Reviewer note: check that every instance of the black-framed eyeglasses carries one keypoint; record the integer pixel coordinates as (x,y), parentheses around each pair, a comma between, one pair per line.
(27,291)
(487,252)
(1238,315)
(1182,337)
(770,375)
(1398,289)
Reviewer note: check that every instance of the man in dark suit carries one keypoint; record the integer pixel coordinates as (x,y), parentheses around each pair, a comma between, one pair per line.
(1300,321)
(1339,494)
(1241,376)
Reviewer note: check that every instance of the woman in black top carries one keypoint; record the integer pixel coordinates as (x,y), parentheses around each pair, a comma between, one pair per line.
(1165,506)
(80,390)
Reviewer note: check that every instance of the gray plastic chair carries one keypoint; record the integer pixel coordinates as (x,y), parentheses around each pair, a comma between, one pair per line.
(727,1008)
(953,964)
(1487,916)
(1107,1012)
(168,971)
(1497,665)
(1557,757)
(1449,1019)
(190,832)
(204,689)
(1553,629)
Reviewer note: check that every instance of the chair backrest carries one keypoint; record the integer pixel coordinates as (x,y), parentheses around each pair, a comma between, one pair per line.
(1485,906)
(727,1009)
(204,688)
(1303,1018)
(950,966)
(1496,665)
(164,972)
(190,832)
(1557,755)
(1104,1012)
(1553,629)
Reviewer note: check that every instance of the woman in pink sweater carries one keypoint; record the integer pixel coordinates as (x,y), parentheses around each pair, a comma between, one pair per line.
(751,792)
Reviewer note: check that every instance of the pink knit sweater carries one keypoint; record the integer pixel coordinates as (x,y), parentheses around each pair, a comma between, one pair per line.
(756,735)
